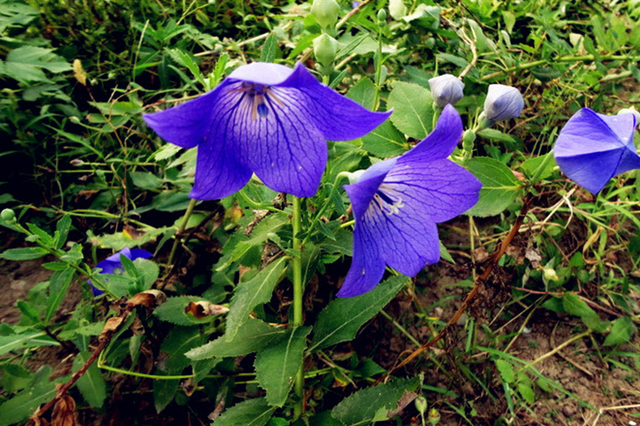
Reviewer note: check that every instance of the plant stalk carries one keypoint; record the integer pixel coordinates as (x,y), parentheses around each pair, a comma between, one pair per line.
(297,300)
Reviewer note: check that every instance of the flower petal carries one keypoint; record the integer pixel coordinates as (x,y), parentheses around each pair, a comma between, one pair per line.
(623,125)
(441,142)
(367,267)
(185,125)
(443,190)
(591,171)
(338,118)
(261,73)
(586,133)
(361,192)
(630,161)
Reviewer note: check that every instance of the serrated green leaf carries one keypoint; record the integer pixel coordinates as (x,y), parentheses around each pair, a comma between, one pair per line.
(28,253)
(253,412)
(277,364)
(91,384)
(342,318)
(26,64)
(499,186)
(146,180)
(166,151)
(269,48)
(32,339)
(364,93)
(178,342)
(252,336)
(573,305)
(372,404)
(506,370)
(526,391)
(58,286)
(173,311)
(62,231)
(412,109)
(13,14)
(385,141)
(163,393)
(21,406)
(531,166)
(148,272)
(252,293)
(621,331)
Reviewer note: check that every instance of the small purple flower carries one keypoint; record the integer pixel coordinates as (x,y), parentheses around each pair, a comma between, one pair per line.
(502,103)
(398,202)
(113,265)
(592,148)
(266,119)
(446,89)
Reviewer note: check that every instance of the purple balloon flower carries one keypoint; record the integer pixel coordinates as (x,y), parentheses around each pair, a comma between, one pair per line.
(266,119)
(592,148)
(398,202)
(113,265)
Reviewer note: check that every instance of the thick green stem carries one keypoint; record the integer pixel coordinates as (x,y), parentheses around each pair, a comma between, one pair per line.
(297,299)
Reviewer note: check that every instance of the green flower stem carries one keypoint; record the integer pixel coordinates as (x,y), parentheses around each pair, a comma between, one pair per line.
(181,229)
(297,299)
(326,204)
(403,330)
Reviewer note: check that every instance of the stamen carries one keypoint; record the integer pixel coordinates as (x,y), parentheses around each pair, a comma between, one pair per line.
(388,200)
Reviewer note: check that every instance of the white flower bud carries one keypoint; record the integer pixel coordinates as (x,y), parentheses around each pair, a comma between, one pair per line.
(502,103)
(397,9)
(446,89)
(325,48)
(326,12)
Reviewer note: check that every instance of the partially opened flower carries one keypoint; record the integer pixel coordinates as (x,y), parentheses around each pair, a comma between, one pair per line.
(502,103)
(592,148)
(113,264)
(398,202)
(446,89)
(266,119)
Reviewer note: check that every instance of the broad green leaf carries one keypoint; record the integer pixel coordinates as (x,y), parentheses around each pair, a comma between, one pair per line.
(26,64)
(15,378)
(324,419)
(532,166)
(173,311)
(506,370)
(13,14)
(148,272)
(372,404)
(120,240)
(499,186)
(342,318)
(573,305)
(146,180)
(249,294)
(91,384)
(496,135)
(253,412)
(412,109)
(21,406)
(62,231)
(269,48)
(385,141)
(252,336)
(178,342)
(364,93)
(527,393)
(185,60)
(166,151)
(31,339)
(28,253)
(58,286)
(621,331)
(163,393)
(277,364)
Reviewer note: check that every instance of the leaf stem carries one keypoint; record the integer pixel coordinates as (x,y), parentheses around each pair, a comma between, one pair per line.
(297,300)
(181,229)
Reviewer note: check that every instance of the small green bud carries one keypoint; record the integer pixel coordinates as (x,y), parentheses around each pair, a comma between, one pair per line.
(434,417)
(397,9)
(382,16)
(468,139)
(550,274)
(8,215)
(325,48)
(325,12)
(421,404)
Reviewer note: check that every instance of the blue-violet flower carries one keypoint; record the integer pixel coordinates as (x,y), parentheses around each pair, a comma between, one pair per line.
(113,264)
(592,148)
(398,202)
(446,89)
(502,103)
(266,119)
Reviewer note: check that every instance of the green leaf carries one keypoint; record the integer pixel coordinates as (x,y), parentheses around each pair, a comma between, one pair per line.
(506,370)
(496,135)
(91,384)
(173,311)
(146,180)
(24,404)
(26,64)
(15,378)
(364,93)
(252,336)
(62,231)
(499,186)
(178,342)
(249,294)
(412,109)
(531,166)
(58,286)
(253,412)
(148,272)
(621,331)
(184,59)
(372,404)
(573,305)
(28,253)
(163,393)
(269,48)
(14,14)
(342,318)
(277,364)
(385,141)
(32,339)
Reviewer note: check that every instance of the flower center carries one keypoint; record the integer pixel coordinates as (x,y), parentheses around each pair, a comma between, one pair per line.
(388,199)
(259,97)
